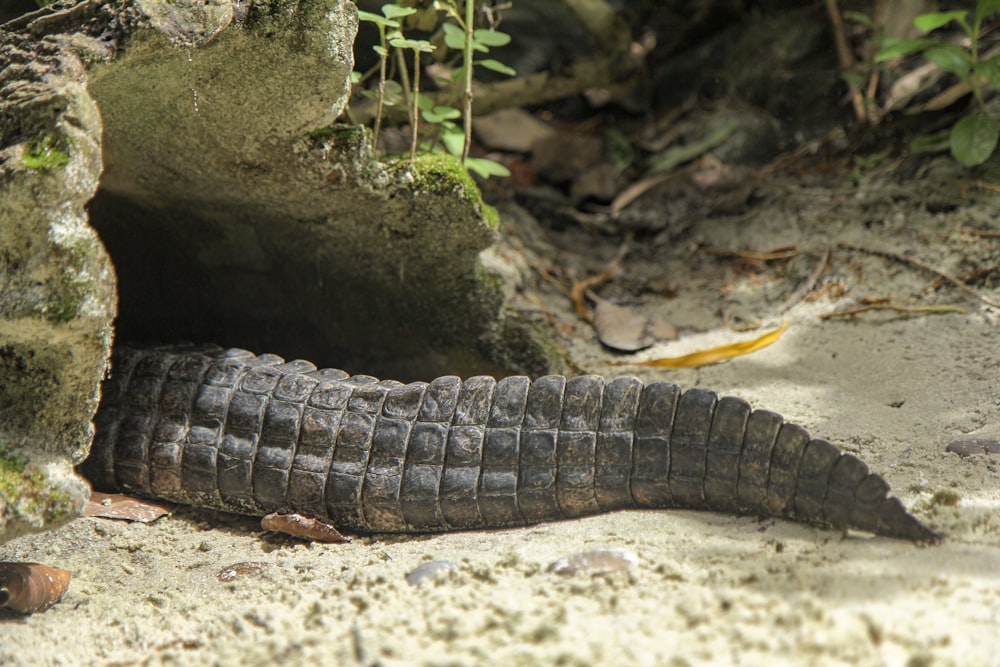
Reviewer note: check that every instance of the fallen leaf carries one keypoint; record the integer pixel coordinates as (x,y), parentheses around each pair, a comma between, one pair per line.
(715,354)
(120,506)
(511,130)
(302,527)
(623,328)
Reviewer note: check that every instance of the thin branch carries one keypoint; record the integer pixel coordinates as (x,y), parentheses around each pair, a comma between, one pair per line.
(847,64)
(926,267)
(470,25)
(807,287)
(851,312)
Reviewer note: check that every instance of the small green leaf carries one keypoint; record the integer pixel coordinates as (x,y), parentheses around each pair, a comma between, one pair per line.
(440,114)
(496,66)
(934,20)
(356,77)
(974,138)
(486,168)
(454,140)
(860,17)
(854,78)
(413,44)
(454,37)
(893,47)
(931,143)
(490,37)
(396,11)
(950,59)
(434,113)
(381,50)
(986,7)
(392,93)
(376,19)
(676,155)
(990,69)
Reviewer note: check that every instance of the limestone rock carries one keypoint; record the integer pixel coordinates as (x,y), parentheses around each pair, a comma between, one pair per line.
(198,138)
(57,295)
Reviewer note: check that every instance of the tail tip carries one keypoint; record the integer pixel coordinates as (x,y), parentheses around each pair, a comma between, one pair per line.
(895,521)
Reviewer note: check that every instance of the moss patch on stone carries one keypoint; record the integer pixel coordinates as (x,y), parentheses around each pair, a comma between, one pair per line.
(29,496)
(45,153)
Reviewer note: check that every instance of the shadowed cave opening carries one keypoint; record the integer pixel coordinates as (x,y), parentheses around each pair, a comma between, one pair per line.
(228,223)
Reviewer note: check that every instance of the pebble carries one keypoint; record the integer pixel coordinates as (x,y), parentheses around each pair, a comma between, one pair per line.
(973,446)
(598,561)
(428,570)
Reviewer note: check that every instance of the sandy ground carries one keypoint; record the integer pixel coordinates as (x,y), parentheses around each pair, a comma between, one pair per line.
(707,589)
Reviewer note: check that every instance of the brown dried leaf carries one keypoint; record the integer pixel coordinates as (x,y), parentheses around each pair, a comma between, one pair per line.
(303,527)
(511,130)
(622,328)
(30,587)
(120,506)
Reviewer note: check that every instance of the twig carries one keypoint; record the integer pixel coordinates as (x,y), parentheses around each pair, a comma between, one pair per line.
(926,267)
(847,63)
(803,291)
(467,127)
(766,256)
(578,293)
(981,233)
(636,190)
(851,312)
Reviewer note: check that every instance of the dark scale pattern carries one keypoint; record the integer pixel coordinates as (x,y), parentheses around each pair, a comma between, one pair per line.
(255,434)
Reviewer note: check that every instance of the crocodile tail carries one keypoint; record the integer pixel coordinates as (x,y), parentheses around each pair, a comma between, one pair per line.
(720,454)
(255,434)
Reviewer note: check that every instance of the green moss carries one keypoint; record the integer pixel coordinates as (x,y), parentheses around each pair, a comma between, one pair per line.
(340,136)
(31,491)
(438,172)
(490,280)
(491,216)
(72,292)
(15,484)
(45,153)
(74,285)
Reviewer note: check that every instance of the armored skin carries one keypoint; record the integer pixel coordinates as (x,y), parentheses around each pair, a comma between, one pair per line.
(254,434)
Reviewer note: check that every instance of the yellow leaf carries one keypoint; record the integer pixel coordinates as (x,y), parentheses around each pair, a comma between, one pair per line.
(714,354)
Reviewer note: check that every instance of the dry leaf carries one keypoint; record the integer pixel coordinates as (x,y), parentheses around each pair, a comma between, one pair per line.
(120,506)
(622,328)
(511,130)
(715,354)
(302,527)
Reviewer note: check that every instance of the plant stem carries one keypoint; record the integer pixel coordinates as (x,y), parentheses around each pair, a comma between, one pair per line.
(977,91)
(470,21)
(415,120)
(383,57)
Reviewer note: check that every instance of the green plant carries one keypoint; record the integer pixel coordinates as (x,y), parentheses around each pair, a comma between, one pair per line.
(388,28)
(44,153)
(459,33)
(973,138)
